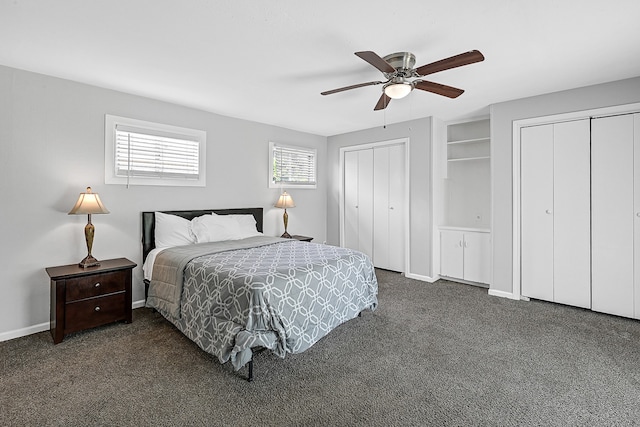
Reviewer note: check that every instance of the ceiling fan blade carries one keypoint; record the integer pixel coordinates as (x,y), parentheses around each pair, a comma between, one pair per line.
(452,62)
(383,102)
(437,88)
(329,92)
(375,60)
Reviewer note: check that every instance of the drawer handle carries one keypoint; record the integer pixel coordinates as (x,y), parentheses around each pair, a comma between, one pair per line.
(97,285)
(97,308)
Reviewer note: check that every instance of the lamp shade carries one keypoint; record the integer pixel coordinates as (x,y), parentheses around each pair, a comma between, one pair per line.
(88,203)
(285,201)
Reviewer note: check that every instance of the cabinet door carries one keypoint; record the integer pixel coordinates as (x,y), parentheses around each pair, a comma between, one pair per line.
(477,257)
(612,178)
(451,254)
(536,207)
(571,214)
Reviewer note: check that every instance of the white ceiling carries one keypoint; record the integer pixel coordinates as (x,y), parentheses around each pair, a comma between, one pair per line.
(268,61)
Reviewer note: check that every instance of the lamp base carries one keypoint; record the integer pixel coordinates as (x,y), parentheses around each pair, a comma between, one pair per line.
(286,235)
(89,261)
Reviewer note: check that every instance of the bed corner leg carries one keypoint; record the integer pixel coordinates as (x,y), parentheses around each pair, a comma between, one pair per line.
(250,366)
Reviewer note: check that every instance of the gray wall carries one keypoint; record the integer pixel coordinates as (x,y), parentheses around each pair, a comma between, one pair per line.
(419,134)
(52,147)
(502,117)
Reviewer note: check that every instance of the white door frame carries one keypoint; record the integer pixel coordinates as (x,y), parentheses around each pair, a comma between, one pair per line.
(399,141)
(517,126)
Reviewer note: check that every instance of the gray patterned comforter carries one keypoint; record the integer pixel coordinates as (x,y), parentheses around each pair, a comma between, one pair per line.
(283,296)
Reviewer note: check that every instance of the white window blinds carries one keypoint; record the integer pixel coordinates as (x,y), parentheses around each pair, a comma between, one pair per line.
(146,153)
(292,166)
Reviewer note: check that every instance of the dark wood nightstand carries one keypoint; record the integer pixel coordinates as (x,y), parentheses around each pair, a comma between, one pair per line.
(83,298)
(302,238)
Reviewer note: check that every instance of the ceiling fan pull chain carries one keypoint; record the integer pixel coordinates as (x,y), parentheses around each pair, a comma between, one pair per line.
(384,120)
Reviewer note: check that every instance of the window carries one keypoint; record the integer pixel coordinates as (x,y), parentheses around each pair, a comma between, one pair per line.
(146,153)
(291,166)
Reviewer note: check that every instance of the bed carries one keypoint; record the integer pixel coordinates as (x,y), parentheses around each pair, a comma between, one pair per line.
(234,291)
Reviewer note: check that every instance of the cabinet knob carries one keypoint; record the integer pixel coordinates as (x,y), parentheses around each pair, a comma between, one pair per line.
(548,211)
(391,208)
(97,308)
(638,214)
(97,285)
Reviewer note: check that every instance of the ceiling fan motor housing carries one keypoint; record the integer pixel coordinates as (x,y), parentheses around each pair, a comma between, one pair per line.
(403,62)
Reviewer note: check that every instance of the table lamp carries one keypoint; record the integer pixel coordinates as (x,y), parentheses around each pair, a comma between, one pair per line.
(88,203)
(285,201)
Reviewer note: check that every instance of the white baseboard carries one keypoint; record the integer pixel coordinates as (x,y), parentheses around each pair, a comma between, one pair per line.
(420,277)
(466,282)
(6,336)
(9,335)
(138,304)
(502,294)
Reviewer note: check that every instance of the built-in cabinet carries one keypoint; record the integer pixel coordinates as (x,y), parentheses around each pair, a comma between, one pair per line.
(374,203)
(580,213)
(467,183)
(465,239)
(465,254)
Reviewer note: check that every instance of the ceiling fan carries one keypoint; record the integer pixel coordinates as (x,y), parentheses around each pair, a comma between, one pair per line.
(398,70)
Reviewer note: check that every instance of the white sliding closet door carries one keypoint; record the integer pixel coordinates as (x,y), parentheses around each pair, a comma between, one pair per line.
(636,218)
(358,201)
(350,228)
(388,207)
(615,209)
(555,219)
(374,203)
(536,201)
(572,214)
(381,226)
(365,201)
(397,185)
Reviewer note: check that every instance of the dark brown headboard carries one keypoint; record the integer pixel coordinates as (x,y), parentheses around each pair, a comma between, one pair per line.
(149,222)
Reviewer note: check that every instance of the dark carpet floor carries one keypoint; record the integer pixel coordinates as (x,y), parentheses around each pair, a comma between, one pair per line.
(431,354)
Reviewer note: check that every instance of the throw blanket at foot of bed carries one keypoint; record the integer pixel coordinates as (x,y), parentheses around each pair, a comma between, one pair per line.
(280,294)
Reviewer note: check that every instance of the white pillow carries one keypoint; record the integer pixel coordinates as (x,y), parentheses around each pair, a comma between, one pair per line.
(172,230)
(217,228)
(213,228)
(246,226)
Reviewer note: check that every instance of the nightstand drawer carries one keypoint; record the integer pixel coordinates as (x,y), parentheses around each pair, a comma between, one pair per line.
(98,284)
(94,312)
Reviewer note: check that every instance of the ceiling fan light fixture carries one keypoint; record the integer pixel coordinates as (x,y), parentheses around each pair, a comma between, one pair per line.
(398,90)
